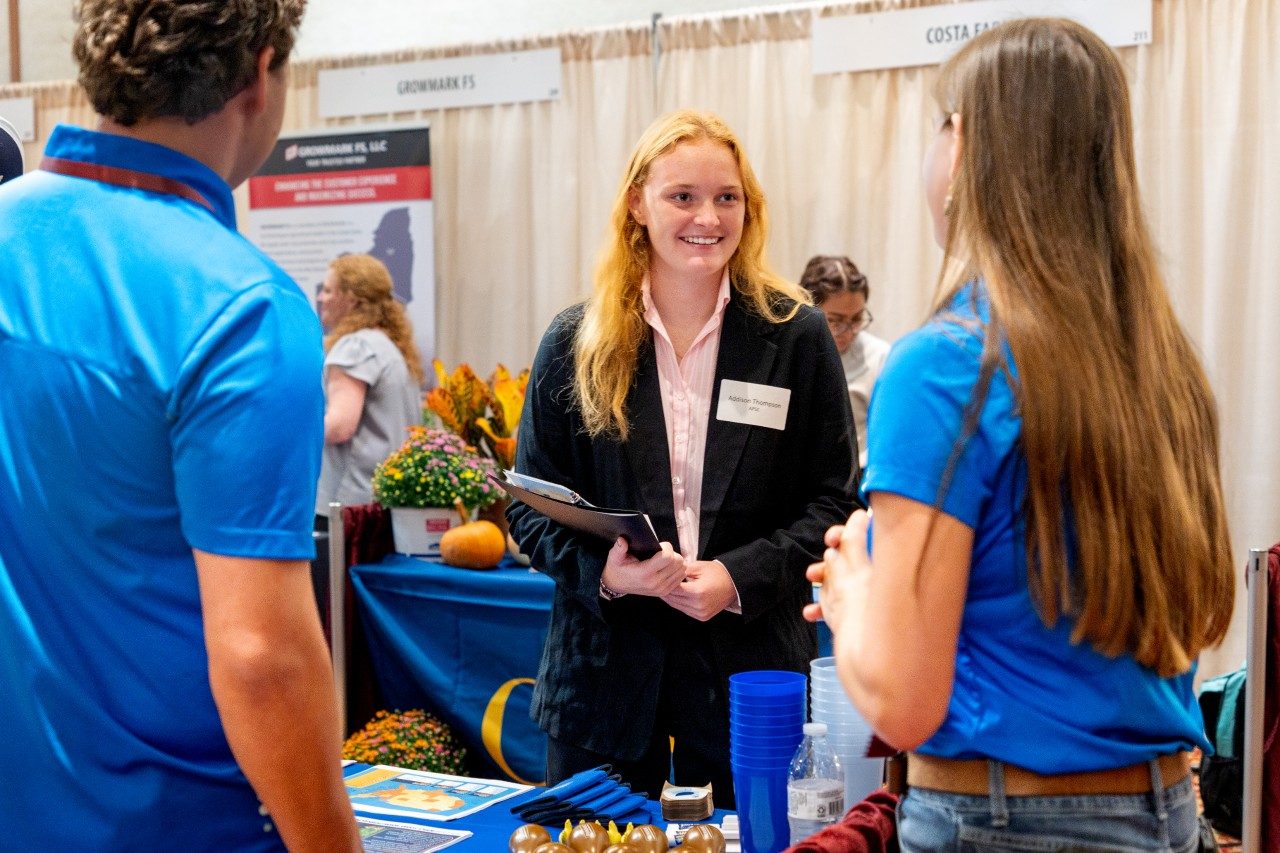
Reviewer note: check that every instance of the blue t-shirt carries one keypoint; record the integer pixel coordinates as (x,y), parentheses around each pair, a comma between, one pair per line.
(161,381)
(1023,693)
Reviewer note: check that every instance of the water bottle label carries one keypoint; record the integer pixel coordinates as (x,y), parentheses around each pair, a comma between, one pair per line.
(822,803)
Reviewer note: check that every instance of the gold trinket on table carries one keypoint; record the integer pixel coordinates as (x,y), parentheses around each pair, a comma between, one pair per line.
(647,838)
(528,838)
(588,838)
(705,837)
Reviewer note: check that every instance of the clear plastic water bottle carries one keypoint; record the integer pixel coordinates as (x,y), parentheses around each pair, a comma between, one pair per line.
(815,785)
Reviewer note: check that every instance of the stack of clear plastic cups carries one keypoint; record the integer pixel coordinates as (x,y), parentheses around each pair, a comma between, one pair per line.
(848,732)
(766,724)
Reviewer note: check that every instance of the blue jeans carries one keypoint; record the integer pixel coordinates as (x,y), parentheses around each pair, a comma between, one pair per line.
(1164,819)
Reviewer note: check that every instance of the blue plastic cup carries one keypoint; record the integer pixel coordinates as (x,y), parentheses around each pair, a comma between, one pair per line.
(767,682)
(769,756)
(747,733)
(793,720)
(779,717)
(762,808)
(781,749)
(774,732)
(740,709)
(760,765)
(765,701)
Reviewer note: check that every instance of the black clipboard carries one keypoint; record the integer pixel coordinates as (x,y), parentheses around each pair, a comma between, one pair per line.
(564,506)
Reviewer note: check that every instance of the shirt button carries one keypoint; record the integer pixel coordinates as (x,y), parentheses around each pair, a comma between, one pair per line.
(680,396)
(675,481)
(681,437)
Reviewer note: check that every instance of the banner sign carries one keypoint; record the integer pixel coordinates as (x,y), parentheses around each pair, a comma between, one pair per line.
(366,191)
(463,81)
(929,34)
(21,113)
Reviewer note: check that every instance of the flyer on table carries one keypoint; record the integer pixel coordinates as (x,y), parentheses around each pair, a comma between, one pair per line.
(423,795)
(386,836)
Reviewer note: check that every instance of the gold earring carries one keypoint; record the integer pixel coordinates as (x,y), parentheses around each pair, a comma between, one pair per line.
(946,202)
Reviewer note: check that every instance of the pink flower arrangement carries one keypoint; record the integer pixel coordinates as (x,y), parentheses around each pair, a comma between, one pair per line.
(432,469)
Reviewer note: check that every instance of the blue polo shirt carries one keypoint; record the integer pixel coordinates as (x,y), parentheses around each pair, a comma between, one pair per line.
(1023,693)
(161,392)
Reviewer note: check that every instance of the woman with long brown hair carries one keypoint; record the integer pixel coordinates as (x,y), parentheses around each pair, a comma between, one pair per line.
(1050,544)
(643,398)
(372,378)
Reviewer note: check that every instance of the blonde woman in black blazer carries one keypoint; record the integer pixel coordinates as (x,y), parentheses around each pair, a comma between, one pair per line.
(622,675)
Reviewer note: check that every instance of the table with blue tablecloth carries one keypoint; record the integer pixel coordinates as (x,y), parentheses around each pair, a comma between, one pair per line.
(464,645)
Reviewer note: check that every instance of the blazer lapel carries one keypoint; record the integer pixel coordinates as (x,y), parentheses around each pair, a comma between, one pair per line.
(646,445)
(746,355)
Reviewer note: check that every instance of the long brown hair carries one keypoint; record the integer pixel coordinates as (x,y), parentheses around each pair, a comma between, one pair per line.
(613,326)
(367,280)
(1126,530)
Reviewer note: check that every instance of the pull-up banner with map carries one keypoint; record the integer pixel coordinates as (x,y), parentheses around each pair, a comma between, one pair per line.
(364,191)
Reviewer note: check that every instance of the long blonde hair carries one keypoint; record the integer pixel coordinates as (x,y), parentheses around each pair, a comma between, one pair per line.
(613,326)
(366,279)
(1119,425)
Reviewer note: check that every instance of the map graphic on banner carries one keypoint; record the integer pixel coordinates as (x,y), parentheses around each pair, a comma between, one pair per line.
(324,195)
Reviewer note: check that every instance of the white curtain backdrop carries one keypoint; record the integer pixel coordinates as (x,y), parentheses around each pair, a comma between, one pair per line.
(523,191)
(839,155)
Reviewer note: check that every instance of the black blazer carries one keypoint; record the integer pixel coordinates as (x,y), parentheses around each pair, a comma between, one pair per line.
(768,496)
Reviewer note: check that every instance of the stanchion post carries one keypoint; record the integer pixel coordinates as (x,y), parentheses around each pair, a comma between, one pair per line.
(337,608)
(1254,696)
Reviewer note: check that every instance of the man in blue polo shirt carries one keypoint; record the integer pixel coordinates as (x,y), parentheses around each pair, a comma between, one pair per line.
(164,683)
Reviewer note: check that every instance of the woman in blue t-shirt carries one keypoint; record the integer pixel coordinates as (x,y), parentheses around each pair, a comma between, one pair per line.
(1050,545)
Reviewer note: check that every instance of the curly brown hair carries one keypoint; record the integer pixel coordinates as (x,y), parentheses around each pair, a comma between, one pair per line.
(142,59)
(826,275)
(367,281)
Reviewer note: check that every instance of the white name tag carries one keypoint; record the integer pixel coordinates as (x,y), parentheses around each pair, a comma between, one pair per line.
(754,405)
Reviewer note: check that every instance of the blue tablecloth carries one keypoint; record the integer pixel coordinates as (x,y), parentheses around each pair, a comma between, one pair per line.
(464,645)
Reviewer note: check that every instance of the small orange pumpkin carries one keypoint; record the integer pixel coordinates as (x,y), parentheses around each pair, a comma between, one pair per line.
(474,545)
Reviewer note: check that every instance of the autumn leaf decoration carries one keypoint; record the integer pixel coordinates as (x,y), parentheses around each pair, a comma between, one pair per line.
(484,414)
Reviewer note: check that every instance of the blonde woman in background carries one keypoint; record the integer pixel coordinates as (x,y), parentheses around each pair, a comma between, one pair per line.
(1050,551)
(629,405)
(840,291)
(372,378)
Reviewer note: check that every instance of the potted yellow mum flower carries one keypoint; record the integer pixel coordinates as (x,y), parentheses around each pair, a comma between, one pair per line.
(422,482)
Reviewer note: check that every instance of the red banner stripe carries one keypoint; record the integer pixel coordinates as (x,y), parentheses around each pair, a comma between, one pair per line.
(363,186)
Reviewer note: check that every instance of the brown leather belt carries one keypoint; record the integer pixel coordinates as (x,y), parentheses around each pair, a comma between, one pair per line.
(970,777)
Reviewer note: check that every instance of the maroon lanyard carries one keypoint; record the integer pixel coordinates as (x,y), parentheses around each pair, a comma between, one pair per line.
(125,178)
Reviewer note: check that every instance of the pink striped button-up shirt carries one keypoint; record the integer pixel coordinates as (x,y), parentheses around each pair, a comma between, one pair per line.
(686,385)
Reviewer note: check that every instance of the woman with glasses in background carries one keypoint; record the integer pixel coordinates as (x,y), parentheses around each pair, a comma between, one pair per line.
(840,291)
